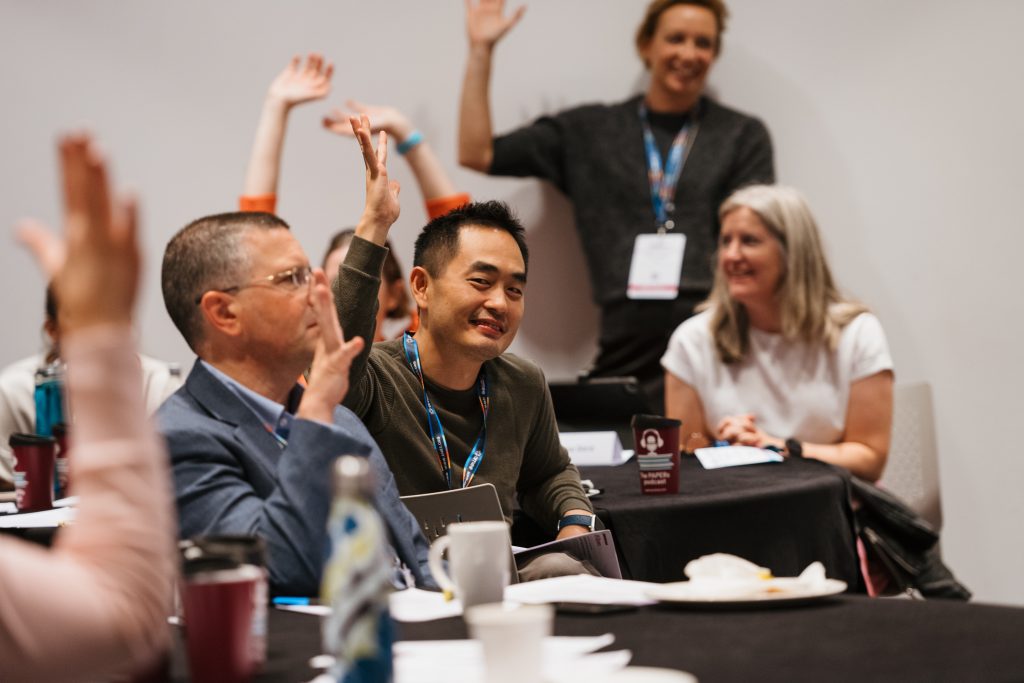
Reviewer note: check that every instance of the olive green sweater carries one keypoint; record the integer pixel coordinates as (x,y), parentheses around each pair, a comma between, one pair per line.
(523,455)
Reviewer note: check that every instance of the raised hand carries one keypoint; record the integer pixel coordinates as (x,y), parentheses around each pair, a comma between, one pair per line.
(382,118)
(98,280)
(382,207)
(48,249)
(328,375)
(486,22)
(298,83)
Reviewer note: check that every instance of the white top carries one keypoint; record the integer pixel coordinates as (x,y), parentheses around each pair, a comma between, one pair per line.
(18,403)
(793,389)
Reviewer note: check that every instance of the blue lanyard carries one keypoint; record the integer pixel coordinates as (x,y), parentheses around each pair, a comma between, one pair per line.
(437,438)
(664,181)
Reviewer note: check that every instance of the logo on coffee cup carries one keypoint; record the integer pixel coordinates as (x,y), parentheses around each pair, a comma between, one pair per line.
(651,440)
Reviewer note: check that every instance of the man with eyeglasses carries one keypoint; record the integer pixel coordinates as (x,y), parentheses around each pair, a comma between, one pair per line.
(252,450)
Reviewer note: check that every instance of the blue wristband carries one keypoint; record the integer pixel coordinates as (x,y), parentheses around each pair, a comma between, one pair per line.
(414,139)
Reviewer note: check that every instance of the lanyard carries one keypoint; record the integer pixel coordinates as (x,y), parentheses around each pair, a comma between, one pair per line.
(437,438)
(664,181)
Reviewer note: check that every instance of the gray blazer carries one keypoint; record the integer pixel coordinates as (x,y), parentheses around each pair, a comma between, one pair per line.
(232,477)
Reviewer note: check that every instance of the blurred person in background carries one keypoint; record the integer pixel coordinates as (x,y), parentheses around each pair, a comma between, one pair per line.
(300,83)
(645,176)
(778,357)
(17,380)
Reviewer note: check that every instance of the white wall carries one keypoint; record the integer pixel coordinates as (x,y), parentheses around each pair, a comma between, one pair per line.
(900,121)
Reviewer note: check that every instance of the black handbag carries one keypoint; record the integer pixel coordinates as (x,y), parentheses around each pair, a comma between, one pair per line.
(905,545)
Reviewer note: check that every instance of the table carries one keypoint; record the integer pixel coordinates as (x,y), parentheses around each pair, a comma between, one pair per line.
(779,515)
(846,638)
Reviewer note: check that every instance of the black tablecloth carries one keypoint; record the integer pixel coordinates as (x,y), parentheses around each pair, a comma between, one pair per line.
(847,638)
(780,515)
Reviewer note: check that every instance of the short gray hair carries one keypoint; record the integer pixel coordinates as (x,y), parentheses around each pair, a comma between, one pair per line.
(207,254)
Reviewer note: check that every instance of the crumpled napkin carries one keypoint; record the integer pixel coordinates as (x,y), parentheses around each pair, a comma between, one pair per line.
(724,576)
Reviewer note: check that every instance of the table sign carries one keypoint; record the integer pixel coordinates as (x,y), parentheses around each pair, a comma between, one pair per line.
(656,440)
(733,456)
(592,448)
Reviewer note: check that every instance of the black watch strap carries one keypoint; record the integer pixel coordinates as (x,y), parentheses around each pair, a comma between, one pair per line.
(794,448)
(577,520)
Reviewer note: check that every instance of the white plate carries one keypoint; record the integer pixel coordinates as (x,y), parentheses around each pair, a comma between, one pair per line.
(788,592)
(635,674)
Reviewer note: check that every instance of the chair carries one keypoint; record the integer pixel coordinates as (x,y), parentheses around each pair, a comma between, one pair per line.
(435,511)
(599,404)
(912,471)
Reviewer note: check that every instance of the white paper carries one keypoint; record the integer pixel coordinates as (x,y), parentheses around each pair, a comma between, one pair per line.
(38,520)
(8,508)
(413,604)
(444,661)
(592,448)
(595,590)
(317,610)
(733,456)
(656,266)
(70,501)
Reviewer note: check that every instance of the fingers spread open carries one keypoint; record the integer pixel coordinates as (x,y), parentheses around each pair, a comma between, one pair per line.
(361,128)
(382,145)
(98,194)
(326,314)
(47,249)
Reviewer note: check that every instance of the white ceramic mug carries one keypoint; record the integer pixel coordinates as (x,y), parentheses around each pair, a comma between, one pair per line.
(478,558)
(512,638)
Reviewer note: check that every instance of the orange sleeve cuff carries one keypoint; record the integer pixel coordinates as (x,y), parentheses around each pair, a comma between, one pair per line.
(258,202)
(439,206)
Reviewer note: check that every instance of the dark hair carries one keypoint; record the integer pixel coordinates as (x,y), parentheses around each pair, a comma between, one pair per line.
(207,254)
(649,24)
(438,242)
(390,273)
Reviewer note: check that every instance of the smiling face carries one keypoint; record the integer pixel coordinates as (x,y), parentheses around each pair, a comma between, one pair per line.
(475,304)
(679,56)
(277,323)
(750,258)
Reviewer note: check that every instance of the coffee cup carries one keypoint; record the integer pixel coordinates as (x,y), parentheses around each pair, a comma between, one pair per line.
(478,555)
(229,551)
(33,471)
(656,440)
(218,606)
(512,639)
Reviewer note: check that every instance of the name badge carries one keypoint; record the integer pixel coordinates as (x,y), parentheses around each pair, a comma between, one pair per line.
(656,267)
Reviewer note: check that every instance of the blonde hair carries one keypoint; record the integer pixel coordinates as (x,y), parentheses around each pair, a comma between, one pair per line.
(811,307)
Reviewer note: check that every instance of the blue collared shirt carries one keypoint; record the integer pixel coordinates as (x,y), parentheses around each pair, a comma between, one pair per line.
(273,415)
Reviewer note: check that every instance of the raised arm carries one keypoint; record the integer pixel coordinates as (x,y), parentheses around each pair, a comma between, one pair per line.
(107,581)
(298,83)
(382,207)
(431,177)
(486,23)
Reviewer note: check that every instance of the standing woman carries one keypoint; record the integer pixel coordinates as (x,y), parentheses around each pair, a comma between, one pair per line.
(645,176)
(778,357)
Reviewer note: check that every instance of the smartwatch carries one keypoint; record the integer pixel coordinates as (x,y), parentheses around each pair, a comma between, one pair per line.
(577,520)
(794,448)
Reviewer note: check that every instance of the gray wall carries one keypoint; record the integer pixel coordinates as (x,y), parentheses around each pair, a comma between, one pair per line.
(900,121)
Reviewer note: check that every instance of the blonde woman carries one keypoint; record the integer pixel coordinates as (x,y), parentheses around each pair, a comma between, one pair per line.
(777,356)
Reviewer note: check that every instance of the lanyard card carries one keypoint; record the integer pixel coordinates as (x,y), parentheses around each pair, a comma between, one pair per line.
(656,266)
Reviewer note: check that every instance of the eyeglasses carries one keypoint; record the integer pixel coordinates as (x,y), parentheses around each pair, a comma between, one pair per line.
(292,279)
